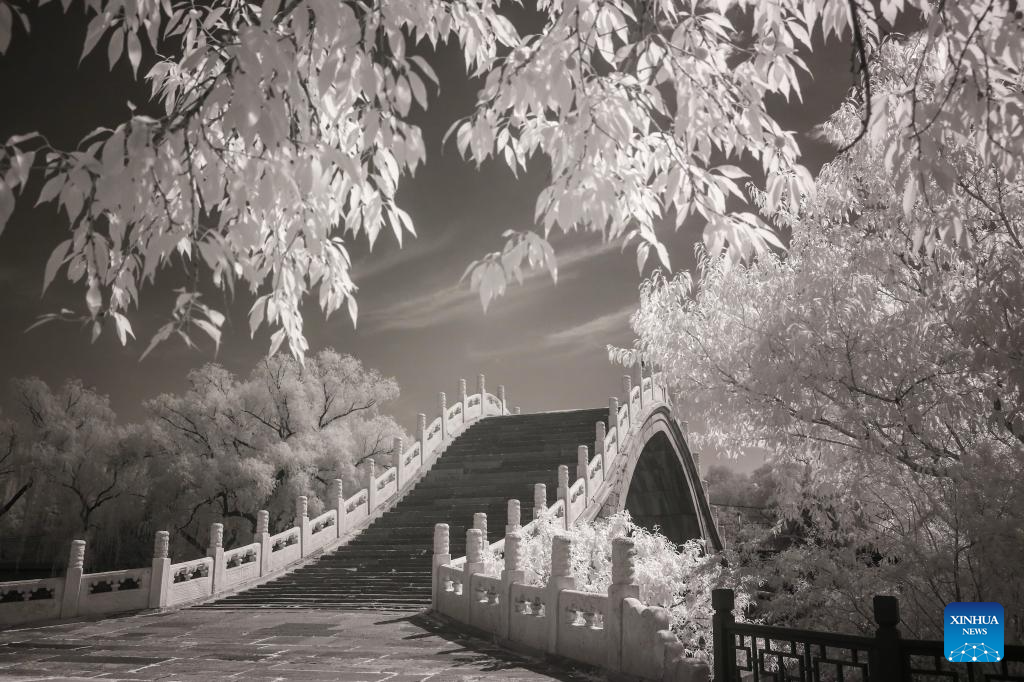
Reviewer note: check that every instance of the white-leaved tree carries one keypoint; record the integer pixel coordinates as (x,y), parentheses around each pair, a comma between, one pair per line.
(279,131)
(229,447)
(884,378)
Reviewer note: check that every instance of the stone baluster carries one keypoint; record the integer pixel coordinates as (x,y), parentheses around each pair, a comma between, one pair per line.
(517,410)
(624,585)
(583,470)
(627,386)
(513,517)
(540,499)
(160,575)
(696,462)
(462,399)
(337,500)
(263,537)
(398,447)
(480,523)
(599,438)
(215,550)
(475,541)
(613,420)
(421,435)
(442,556)
(371,485)
(481,388)
(443,400)
(640,368)
(501,399)
(73,579)
(561,579)
(563,492)
(512,573)
(302,522)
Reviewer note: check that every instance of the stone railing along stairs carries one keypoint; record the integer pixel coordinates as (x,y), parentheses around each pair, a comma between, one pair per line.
(228,571)
(615,631)
(388,565)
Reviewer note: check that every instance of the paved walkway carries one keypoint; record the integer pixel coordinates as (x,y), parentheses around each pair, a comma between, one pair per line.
(264,644)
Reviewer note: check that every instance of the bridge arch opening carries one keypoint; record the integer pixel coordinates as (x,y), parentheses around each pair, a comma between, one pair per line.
(659,495)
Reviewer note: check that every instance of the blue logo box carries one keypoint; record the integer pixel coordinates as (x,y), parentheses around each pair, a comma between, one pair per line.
(973,632)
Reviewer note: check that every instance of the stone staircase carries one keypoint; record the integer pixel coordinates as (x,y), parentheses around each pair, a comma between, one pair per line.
(388,565)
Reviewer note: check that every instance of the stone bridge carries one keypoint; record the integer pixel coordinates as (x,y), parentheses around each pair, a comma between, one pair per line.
(460,487)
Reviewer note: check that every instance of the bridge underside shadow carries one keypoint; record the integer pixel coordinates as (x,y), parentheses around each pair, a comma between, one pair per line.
(659,496)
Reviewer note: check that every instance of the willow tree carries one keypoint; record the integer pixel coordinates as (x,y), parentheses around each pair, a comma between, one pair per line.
(280,131)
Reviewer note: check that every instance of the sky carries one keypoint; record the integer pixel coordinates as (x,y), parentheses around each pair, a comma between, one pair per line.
(545,342)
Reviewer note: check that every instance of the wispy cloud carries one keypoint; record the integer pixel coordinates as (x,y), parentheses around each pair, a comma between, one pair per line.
(592,333)
(457,301)
(372,266)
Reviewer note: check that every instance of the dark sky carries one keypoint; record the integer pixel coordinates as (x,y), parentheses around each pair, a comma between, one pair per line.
(545,342)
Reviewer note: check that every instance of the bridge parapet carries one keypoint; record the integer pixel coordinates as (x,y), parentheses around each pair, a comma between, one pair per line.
(613,630)
(227,570)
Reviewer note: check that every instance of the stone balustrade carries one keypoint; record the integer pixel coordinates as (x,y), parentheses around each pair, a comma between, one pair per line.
(227,570)
(614,630)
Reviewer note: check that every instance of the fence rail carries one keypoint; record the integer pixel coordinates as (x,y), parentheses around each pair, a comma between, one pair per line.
(746,652)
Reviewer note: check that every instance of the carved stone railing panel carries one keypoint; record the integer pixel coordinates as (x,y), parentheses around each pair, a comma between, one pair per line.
(285,548)
(114,591)
(528,616)
(190,580)
(581,621)
(322,531)
(23,601)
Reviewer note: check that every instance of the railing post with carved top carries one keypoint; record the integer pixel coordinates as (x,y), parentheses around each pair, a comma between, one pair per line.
(302,521)
(371,485)
(561,579)
(886,661)
(583,470)
(563,493)
(443,401)
(627,386)
(442,556)
(160,576)
(421,435)
(513,517)
(723,601)
(462,400)
(215,550)
(263,537)
(624,585)
(398,447)
(481,388)
(517,410)
(73,579)
(540,499)
(476,540)
(613,421)
(512,573)
(480,523)
(640,368)
(337,500)
(501,400)
(599,450)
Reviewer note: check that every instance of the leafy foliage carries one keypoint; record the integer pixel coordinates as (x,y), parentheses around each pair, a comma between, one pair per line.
(220,451)
(281,130)
(881,368)
(679,578)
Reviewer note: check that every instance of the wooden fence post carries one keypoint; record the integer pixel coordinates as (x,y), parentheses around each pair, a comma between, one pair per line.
(887,662)
(722,601)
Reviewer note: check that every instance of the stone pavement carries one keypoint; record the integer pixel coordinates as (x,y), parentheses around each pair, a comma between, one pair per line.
(255,645)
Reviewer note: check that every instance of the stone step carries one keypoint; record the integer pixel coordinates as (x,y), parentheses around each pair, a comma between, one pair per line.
(388,565)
